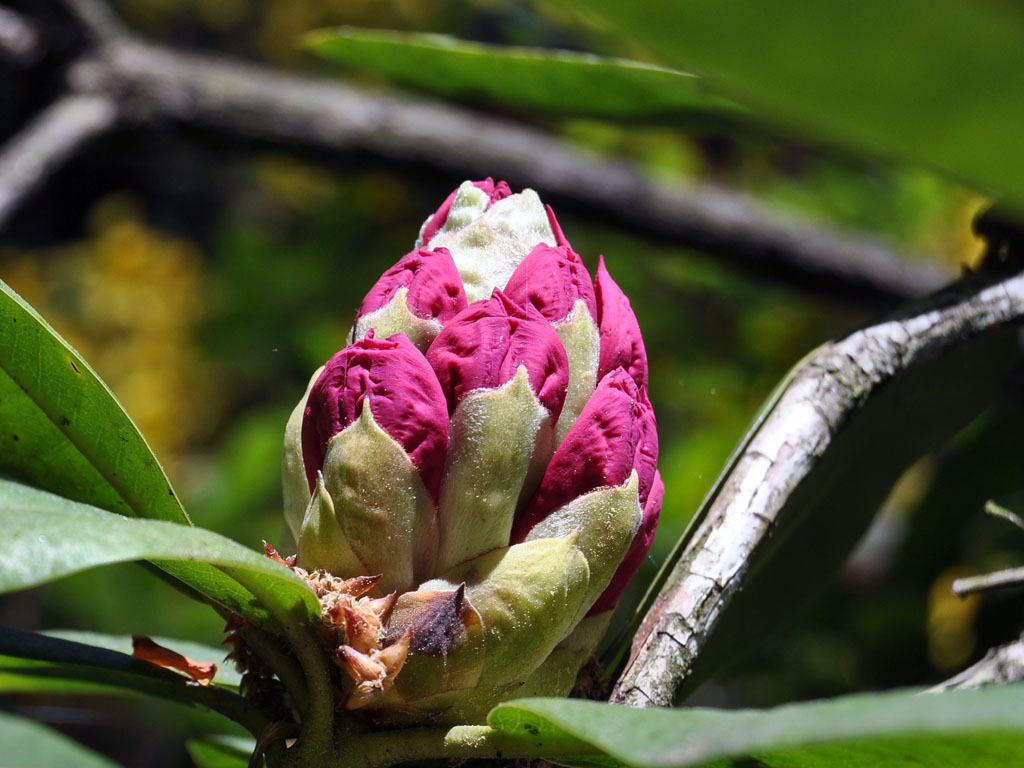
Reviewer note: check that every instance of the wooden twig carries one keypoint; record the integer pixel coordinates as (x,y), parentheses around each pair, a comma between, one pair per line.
(764,499)
(1001,665)
(989,582)
(1002,579)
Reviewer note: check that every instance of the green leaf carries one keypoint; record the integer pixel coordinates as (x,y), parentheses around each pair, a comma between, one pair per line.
(220,751)
(982,729)
(63,430)
(558,82)
(27,744)
(44,537)
(936,82)
(36,663)
(227,676)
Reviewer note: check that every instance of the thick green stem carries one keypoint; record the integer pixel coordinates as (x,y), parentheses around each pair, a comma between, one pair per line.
(280,662)
(317,715)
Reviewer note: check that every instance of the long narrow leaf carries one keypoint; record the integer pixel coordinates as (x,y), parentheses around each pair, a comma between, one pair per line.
(227,675)
(554,81)
(35,663)
(983,729)
(44,537)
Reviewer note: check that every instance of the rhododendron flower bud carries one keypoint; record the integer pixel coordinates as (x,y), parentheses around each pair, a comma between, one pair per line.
(472,482)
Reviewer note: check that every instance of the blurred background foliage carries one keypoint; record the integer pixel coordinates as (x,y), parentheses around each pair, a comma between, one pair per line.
(206,282)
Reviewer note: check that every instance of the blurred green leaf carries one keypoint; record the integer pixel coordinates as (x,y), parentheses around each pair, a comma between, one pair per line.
(983,729)
(63,430)
(221,752)
(27,744)
(555,81)
(37,663)
(44,537)
(936,82)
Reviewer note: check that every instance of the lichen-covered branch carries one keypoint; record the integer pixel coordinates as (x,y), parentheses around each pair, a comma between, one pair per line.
(255,102)
(846,399)
(1001,665)
(989,582)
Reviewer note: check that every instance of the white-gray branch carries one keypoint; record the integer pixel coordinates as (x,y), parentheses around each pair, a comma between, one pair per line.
(767,497)
(1001,665)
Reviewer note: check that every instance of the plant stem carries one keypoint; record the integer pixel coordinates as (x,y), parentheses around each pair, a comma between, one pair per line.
(317,737)
(280,662)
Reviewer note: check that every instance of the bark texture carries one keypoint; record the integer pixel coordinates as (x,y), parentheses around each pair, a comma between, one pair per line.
(754,509)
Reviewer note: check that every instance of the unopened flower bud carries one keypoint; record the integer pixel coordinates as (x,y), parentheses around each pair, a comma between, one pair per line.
(484,457)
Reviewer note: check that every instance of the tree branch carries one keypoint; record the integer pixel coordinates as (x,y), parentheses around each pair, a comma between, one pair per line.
(989,582)
(1004,664)
(248,100)
(46,142)
(881,389)
(19,39)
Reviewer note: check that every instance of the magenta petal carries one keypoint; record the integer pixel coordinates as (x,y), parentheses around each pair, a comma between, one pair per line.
(435,287)
(637,550)
(552,279)
(483,347)
(560,238)
(621,343)
(646,459)
(435,222)
(495,191)
(406,401)
(598,451)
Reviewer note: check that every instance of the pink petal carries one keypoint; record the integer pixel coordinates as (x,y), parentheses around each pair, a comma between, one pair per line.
(600,450)
(552,279)
(435,288)
(637,550)
(496,191)
(646,460)
(560,238)
(621,342)
(483,347)
(406,401)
